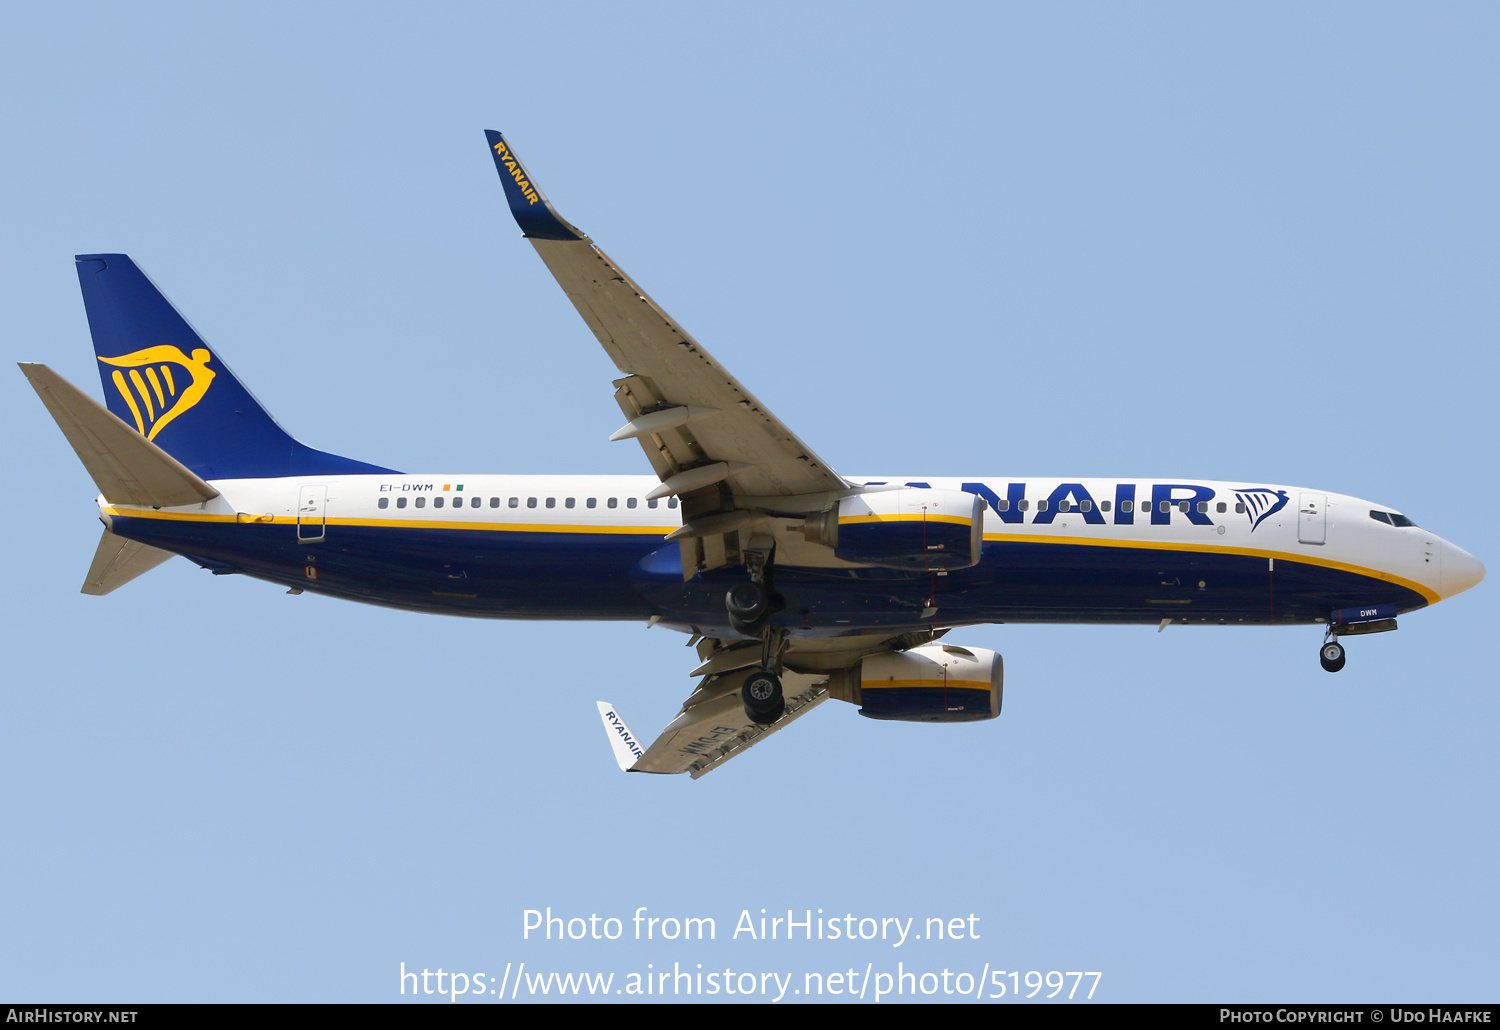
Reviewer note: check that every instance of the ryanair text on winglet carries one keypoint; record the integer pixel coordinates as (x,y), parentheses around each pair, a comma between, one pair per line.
(623,733)
(514,167)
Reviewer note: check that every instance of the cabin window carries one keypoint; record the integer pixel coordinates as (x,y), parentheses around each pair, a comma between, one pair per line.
(437,502)
(1085,505)
(1183,506)
(1062,505)
(1024,504)
(569,503)
(1127,506)
(421,502)
(474,502)
(494,502)
(531,502)
(401,502)
(1239,507)
(1103,505)
(613,502)
(515,502)
(385,502)
(1002,504)
(630,502)
(1166,505)
(651,503)
(1202,507)
(552,502)
(592,502)
(671,502)
(1221,507)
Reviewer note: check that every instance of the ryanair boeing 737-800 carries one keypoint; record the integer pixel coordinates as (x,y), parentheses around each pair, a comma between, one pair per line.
(798,584)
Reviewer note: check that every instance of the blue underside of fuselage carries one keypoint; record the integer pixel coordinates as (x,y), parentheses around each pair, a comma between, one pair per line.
(602,576)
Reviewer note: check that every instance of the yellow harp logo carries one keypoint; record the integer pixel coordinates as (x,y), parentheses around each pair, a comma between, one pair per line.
(160,393)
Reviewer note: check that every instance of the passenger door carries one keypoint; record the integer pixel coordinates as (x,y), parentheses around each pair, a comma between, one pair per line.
(1312,519)
(310,507)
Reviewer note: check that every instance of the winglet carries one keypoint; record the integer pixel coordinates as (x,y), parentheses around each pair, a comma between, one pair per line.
(535,216)
(627,749)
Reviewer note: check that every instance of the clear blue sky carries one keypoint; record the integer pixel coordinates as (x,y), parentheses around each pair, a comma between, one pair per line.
(1116,240)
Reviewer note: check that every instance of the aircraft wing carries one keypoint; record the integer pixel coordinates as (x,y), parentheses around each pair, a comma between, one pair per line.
(711,728)
(709,440)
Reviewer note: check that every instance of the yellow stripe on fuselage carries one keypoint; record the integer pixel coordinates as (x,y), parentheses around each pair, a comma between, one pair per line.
(957,520)
(1248,552)
(1015,538)
(291,520)
(948,684)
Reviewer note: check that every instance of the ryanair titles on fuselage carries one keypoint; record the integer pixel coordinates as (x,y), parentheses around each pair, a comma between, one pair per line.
(514,167)
(1189,499)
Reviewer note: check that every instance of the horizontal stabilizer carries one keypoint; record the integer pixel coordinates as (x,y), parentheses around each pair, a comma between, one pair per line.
(127,468)
(713,727)
(118,561)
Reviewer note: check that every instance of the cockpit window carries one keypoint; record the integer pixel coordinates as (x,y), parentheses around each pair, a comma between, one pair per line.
(1390,518)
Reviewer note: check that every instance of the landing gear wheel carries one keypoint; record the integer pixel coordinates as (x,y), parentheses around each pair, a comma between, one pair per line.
(747,604)
(1332,656)
(762,697)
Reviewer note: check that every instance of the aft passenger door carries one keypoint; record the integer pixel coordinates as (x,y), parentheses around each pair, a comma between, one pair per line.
(310,507)
(1312,519)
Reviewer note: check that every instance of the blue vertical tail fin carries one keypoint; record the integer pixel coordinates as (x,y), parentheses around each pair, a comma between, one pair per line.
(160,377)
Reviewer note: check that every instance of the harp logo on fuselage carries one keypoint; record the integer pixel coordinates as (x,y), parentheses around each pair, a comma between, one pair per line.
(153,393)
(1261,503)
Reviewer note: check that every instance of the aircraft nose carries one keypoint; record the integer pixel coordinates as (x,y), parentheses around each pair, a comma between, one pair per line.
(1461,570)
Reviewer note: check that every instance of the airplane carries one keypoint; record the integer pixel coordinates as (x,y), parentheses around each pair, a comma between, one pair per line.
(796,584)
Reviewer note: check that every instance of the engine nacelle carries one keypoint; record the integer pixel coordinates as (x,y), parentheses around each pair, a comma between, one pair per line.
(932,683)
(910,528)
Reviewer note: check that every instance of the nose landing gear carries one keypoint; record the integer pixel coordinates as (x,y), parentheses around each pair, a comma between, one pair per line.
(1331,655)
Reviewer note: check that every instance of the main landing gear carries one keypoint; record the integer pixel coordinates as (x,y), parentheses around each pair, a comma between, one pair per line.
(749,608)
(762,696)
(1331,654)
(748,605)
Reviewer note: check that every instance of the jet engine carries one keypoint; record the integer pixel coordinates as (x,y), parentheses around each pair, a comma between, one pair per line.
(910,528)
(931,683)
